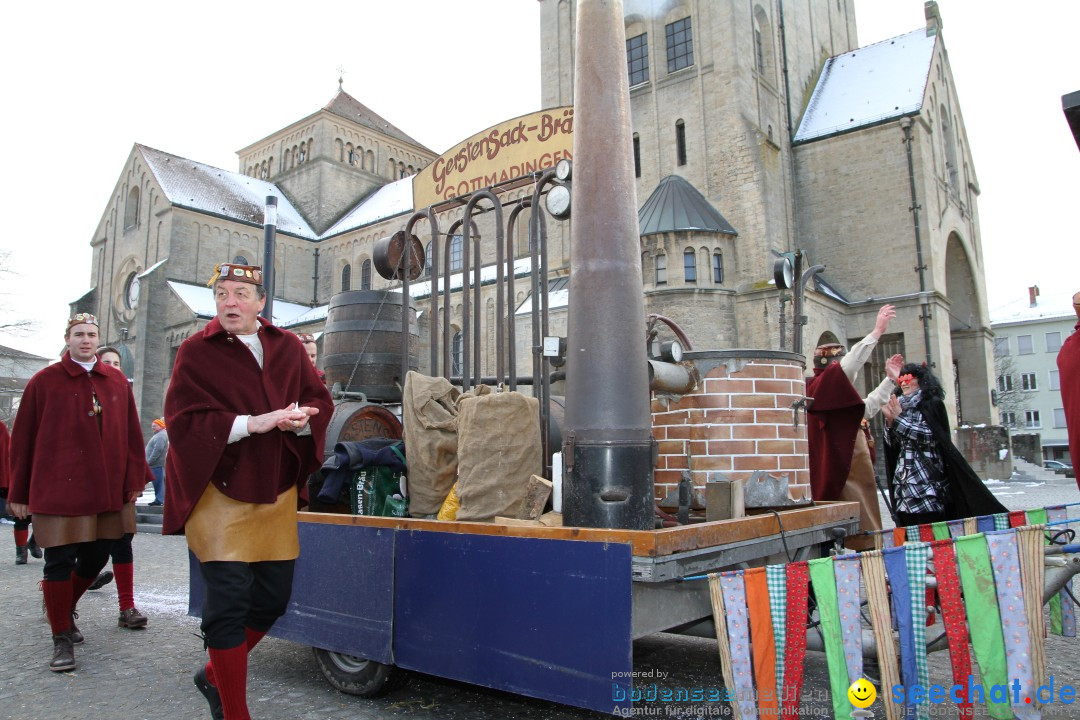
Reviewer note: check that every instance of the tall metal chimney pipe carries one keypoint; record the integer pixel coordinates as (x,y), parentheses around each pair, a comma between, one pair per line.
(608,446)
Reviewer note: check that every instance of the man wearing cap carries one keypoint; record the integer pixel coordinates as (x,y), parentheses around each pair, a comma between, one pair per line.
(247,417)
(312,351)
(841,460)
(156,451)
(81,489)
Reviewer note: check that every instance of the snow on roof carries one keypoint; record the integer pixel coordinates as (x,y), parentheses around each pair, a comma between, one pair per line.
(391,199)
(202,187)
(153,267)
(1021,310)
(312,315)
(867,86)
(200,300)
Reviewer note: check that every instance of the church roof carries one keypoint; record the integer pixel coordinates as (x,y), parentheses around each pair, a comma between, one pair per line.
(196,186)
(675,206)
(345,105)
(869,86)
(391,199)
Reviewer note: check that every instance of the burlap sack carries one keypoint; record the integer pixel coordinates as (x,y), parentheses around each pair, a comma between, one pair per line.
(498,451)
(429,415)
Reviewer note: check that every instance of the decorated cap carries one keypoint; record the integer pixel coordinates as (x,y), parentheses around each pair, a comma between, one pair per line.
(306,337)
(235,271)
(81,319)
(827,352)
(159,423)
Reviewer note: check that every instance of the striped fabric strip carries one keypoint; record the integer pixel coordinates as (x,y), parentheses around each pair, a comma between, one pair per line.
(798,598)
(1005,560)
(1062,612)
(738,628)
(776,578)
(954,618)
(1017,518)
(971,526)
(761,640)
(941,531)
(926,533)
(986,523)
(823,578)
(723,644)
(1033,576)
(1001,521)
(846,570)
(918,554)
(877,596)
(896,567)
(879,540)
(956,528)
(980,603)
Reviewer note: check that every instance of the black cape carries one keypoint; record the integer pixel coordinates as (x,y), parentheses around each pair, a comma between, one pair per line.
(968,496)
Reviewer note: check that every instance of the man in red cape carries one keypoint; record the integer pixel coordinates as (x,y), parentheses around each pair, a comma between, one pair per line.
(841,463)
(1068,362)
(247,418)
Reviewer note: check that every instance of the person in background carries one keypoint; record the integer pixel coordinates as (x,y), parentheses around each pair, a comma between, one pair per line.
(1068,363)
(313,353)
(77,464)
(25,544)
(929,478)
(122,555)
(247,415)
(156,450)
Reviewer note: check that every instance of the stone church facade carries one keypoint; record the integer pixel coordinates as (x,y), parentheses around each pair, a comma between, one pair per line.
(736,116)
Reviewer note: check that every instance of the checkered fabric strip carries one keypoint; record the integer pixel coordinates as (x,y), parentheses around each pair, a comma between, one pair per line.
(918,553)
(913,533)
(776,580)
(1001,521)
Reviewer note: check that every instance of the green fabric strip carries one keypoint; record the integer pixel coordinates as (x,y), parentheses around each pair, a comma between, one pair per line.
(823,580)
(980,601)
(941,531)
(1037,516)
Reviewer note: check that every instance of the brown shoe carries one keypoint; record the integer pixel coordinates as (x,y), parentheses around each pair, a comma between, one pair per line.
(132,618)
(63,658)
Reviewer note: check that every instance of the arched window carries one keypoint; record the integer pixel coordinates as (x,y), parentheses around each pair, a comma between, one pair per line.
(689,261)
(718,267)
(303,153)
(952,170)
(637,156)
(365,275)
(369,161)
(680,141)
(131,209)
(455,254)
(763,46)
(346,278)
(661,269)
(456,359)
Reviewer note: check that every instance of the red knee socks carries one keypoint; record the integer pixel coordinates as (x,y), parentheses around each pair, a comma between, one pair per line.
(78,587)
(21,537)
(251,639)
(230,678)
(125,584)
(58,604)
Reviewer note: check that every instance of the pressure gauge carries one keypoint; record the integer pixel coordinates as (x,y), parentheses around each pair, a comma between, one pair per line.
(783,273)
(563,169)
(558,201)
(671,351)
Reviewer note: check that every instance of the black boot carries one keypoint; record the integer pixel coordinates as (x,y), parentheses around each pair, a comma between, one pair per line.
(20,554)
(63,658)
(217,712)
(34,548)
(76,636)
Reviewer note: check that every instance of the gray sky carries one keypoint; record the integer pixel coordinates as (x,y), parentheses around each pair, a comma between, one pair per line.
(80,86)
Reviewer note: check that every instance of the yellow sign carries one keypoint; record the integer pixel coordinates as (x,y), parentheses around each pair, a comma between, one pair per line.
(862,693)
(510,150)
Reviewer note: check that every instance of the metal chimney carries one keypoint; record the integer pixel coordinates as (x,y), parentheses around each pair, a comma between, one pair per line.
(608,446)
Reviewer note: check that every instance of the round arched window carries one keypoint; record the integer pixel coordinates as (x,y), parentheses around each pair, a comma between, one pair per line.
(131,292)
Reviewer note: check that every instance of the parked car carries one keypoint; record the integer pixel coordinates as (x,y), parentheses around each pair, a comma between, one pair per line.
(1059,467)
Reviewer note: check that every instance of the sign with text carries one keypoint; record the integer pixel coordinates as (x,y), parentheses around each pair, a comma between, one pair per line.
(510,150)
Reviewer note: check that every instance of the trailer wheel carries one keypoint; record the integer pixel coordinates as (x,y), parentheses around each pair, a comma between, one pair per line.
(353,675)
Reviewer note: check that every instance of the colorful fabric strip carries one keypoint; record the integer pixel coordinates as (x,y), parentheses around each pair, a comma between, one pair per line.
(888,539)
(986,523)
(1033,577)
(899,536)
(761,640)
(926,533)
(738,628)
(896,567)
(877,597)
(1001,521)
(776,579)
(1037,516)
(941,531)
(980,602)
(1005,560)
(956,528)
(1017,518)
(723,643)
(823,579)
(913,533)
(918,555)
(1062,612)
(798,581)
(971,526)
(846,570)
(954,618)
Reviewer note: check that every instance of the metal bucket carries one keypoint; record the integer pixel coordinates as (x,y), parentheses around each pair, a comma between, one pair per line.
(362,341)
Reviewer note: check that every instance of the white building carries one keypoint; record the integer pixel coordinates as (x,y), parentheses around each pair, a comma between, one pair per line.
(1028,333)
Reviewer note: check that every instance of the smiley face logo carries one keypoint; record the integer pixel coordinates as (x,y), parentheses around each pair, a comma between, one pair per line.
(862,693)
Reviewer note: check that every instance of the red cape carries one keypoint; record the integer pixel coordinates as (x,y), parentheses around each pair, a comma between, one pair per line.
(5,458)
(1068,362)
(215,378)
(832,422)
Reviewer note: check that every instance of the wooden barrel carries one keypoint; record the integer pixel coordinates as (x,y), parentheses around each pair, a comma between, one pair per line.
(362,341)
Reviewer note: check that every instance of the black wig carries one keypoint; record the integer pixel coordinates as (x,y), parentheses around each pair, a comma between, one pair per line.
(928,383)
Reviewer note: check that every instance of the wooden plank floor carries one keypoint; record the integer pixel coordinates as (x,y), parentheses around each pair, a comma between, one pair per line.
(646,543)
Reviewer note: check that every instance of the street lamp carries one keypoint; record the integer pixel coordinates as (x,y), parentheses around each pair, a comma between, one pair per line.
(269,236)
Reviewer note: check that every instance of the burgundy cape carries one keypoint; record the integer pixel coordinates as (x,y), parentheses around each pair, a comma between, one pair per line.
(62,463)
(5,459)
(832,422)
(1068,362)
(216,378)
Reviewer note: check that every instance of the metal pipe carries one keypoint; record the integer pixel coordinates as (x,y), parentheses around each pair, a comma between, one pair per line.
(539,275)
(905,124)
(511,332)
(670,378)
(433,226)
(608,447)
(269,239)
